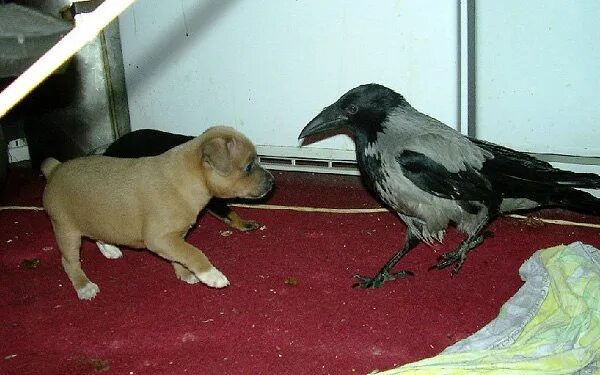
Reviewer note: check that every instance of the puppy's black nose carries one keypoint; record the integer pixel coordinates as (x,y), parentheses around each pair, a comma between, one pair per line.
(270,178)
(268,182)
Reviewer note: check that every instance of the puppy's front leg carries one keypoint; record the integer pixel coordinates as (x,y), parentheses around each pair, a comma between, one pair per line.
(172,247)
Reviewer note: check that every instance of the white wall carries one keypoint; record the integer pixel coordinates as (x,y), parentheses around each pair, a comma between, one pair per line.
(267,67)
(538,75)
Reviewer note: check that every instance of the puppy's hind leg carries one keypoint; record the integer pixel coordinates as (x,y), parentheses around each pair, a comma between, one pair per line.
(108,250)
(69,243)
(184,274)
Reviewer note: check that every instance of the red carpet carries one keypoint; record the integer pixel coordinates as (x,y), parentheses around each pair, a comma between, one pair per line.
(145,321)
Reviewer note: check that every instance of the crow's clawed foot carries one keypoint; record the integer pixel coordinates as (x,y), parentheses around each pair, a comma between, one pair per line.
(459,256)
(453,257)
(378,280)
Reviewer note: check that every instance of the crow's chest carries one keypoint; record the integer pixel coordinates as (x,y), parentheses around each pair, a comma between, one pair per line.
(382,180)
(371,170)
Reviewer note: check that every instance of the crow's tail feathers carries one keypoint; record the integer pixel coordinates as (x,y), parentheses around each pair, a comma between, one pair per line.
(573,179)
(576,200)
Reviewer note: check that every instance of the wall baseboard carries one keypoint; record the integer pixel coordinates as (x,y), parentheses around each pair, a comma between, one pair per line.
(308,159)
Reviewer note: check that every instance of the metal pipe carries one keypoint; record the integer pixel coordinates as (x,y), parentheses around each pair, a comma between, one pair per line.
(79,36)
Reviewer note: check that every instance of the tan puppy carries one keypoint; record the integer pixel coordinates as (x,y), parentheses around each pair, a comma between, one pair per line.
(149,202)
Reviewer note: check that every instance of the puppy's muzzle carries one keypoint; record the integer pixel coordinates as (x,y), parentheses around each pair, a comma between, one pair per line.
(266,184)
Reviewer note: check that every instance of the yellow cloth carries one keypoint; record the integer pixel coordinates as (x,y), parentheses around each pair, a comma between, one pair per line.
(551,326)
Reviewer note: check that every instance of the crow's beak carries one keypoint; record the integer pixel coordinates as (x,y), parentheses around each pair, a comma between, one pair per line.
(329,119)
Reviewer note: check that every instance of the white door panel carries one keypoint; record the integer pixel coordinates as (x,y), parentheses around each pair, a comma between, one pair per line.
(538,75)
(268,67)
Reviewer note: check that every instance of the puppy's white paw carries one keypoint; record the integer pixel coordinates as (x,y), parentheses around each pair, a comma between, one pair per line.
(190,278)
(89,291)
(109,251)
(214,278)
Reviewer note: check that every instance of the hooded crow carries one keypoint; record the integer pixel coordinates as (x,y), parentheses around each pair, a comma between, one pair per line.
(434,176)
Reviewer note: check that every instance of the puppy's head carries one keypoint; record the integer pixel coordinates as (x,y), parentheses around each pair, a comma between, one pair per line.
(230,165)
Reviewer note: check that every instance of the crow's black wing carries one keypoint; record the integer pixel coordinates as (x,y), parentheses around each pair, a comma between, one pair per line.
(432,177)
(512,172)
(516,164)
(505,173)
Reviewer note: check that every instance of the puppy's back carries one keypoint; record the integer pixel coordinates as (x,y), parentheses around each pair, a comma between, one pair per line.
(97,194)
(95,178)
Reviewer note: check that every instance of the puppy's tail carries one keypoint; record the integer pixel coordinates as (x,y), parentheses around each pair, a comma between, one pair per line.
(48,166)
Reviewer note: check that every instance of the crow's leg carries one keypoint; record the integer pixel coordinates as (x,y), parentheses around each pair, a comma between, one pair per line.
(458,256)
(384,273)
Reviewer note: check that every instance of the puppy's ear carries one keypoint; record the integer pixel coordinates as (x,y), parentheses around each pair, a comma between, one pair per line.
(217,154)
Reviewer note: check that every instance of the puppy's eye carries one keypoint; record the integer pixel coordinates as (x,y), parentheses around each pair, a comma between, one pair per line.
(248,168)
(351,109)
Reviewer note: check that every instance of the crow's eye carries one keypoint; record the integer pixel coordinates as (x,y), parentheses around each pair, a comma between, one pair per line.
(351,109)
(248,168)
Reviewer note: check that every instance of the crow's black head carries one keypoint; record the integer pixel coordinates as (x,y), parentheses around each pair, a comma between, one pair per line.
(361,110)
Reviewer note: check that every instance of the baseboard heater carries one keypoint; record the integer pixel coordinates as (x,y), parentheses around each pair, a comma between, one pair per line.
(306,159)
(309,165)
